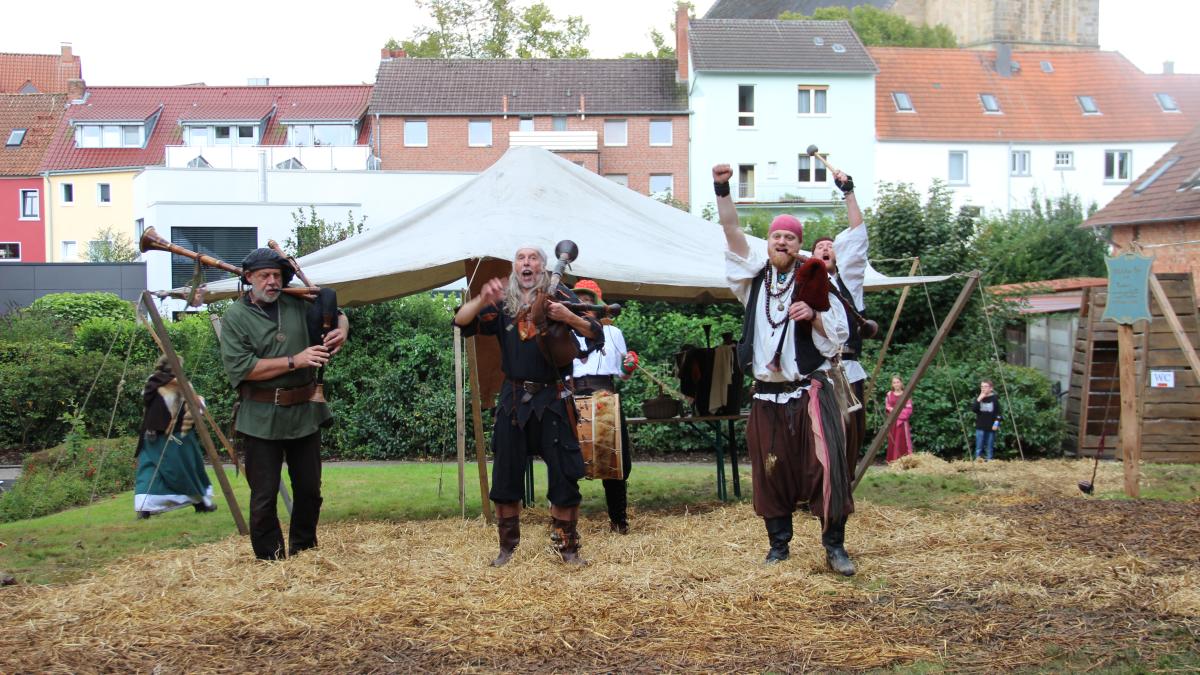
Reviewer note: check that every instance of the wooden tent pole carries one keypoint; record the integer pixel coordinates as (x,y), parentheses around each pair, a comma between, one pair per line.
(477,421)
(959,305)
(195,408)
(460,431)
(1185,343)
(1130,432)
(869,387)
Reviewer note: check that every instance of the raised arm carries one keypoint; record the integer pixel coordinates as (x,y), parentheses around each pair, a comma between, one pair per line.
(735,239)
(490,294)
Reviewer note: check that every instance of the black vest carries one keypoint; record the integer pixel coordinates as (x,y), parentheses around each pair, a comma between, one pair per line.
(854,343)
(808,357)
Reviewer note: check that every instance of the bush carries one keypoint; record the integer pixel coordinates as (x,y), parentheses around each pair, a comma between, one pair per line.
(72,474)
(74,308)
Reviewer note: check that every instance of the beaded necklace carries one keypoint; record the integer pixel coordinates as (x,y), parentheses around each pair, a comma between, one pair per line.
(778,291)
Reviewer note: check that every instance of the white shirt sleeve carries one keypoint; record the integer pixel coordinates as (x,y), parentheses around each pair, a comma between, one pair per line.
(837,330)
(616,340)
(740,272)
(850,246)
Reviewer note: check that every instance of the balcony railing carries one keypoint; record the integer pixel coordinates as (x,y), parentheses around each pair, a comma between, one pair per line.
(561,141)
(315,158)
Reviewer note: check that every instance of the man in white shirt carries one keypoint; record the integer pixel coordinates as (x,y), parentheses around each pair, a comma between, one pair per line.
(846,257)
(795,434)
(598,371)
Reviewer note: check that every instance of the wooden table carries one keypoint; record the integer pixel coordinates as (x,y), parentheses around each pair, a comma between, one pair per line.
(713,422)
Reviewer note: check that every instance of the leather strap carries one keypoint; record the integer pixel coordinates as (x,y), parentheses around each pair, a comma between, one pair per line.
(280,397)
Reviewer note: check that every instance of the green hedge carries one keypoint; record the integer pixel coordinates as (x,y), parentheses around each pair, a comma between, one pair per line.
(75,308)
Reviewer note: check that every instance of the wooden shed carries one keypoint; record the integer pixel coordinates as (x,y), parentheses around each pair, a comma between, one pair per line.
(1169,417)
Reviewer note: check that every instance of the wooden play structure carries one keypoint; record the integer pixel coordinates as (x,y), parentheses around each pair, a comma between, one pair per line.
(1166,419)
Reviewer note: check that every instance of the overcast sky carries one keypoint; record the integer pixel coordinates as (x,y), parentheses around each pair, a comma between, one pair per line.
(219,42)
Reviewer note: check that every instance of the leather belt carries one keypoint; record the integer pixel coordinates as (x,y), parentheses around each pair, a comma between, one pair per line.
(594,383)
(281,396)
(530,388)
(761,387)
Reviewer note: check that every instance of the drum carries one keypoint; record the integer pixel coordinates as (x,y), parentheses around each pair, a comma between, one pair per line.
(600,435)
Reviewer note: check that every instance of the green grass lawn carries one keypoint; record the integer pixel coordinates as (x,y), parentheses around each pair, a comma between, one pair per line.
(66,545)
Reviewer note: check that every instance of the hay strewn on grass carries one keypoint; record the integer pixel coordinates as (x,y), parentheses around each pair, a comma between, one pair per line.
(1008,583)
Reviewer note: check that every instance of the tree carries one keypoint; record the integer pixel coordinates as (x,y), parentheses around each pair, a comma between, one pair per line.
(313,233)
(112,246)
(1045,242)
(879,28)
(494,29)
(661,49)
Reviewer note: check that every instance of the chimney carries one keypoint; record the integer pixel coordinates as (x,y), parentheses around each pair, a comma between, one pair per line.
(1004,59)
(67,56)
(386,54)
(76,89)
(681,42)
(1168,67)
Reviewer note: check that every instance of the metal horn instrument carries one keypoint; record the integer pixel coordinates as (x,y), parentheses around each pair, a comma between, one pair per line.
(327,308)
(150,241)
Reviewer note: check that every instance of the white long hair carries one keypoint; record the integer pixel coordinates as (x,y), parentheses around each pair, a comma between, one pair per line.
(513,292)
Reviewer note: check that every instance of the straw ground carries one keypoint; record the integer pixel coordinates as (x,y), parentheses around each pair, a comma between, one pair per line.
(1020,574)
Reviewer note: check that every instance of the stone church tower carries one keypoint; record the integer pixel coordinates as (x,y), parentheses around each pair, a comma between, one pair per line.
(1023,24)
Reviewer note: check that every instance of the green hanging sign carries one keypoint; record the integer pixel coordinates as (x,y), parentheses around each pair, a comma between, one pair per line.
(1128,288)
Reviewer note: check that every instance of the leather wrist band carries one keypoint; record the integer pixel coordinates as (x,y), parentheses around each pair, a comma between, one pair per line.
(721,188)
(291,362)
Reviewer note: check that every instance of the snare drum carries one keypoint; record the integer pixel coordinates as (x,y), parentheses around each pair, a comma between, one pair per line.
(600,435)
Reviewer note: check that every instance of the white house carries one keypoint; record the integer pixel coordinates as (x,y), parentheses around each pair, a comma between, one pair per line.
(761,92)
(222,211)
(996,126)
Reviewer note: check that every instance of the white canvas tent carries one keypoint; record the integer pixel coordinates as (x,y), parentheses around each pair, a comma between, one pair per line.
(634,246)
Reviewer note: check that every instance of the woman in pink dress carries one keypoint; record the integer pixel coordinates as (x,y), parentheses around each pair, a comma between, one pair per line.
(900,435)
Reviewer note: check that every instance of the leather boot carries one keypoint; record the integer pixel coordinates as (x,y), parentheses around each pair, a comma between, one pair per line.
(565,538)
(509,529)
(615,495)
(834,540)
(779,532)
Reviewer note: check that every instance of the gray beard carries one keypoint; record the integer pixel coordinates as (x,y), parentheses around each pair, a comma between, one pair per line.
(262,297)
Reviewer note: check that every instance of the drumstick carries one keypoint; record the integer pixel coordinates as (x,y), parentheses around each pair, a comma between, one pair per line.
(662,385)
(813,152)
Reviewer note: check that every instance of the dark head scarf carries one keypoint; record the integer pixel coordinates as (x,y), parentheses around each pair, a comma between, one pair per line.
(265,258)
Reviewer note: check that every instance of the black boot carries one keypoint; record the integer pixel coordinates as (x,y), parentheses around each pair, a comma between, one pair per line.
(779,532)
(615,495)
(204,508)
(565,538)
(834,540)
(509,529)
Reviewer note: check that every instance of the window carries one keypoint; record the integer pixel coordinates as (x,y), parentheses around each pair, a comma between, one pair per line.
(661,184)
(1165,101)
(560,123)
(991,104)
(290,164)
(109,135)
(69,251)
(745,105)
(15,137)
(1163,168)
(222,243)
(247,135)
(479,133)
(811,170)
(745,181)
(811,100)
(902,101)
(618,178)
(1018,163)
(10,251)
(29,204)
(957,174)
(416,133)
(103,193)
(198,136)
(306,134)
(1047,67)
(87,137)
(131,137)
(525,124)
(222,136)
(616,132)
(1064,159)
(1088,104)
(198,162)
(68,193)
(1116,164)
(772,170)
(661,132)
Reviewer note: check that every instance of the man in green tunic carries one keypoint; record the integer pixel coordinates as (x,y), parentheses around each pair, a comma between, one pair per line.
(267,356)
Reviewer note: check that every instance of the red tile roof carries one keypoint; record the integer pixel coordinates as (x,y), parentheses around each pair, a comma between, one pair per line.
(1049,286)
(39,115)
(46,73)
(945,84)
(196,103)
(1173,195)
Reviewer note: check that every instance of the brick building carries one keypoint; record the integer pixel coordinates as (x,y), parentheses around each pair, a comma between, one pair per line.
(626,119)
(27,125)
(41,73)
(1160,210)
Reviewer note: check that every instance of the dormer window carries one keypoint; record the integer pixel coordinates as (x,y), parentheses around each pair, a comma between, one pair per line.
(15,138)
(1167,103)
(902,101)
(990,103)
(321,134)
(200,135)
(1047,67)
(1088,105)
(110,135)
